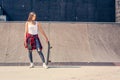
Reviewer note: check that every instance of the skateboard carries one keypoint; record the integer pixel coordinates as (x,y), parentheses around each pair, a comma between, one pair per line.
(48,53)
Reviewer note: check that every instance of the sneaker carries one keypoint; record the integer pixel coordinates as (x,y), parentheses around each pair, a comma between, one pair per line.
(45,66)
(31,65)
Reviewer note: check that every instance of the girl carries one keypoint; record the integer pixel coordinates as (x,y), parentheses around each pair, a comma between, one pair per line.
(31,39)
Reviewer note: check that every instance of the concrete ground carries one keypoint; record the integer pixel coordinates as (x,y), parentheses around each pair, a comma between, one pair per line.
(76,73)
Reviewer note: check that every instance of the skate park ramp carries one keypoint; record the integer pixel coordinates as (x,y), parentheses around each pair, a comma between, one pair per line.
(72,42)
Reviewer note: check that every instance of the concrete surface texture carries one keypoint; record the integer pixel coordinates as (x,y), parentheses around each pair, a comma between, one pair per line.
(71,42)
(82,73)
(117,10)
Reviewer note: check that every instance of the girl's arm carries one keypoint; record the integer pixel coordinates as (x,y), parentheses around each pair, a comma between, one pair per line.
(26,30)
(41,30)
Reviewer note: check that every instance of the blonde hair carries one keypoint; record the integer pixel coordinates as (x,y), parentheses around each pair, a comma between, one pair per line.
(31,14)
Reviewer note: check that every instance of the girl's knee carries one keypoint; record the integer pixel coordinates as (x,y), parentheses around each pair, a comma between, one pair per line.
(30,51)
(39,50)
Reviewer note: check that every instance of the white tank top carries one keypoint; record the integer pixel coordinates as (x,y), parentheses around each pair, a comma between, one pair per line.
(32,29)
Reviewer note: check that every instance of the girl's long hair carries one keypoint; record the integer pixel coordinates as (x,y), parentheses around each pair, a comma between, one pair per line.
(31,14)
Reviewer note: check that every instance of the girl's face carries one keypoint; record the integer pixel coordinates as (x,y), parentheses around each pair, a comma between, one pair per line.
(34,17)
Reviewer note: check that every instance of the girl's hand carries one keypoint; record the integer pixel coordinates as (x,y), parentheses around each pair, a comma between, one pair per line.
(47,40)
(25,44)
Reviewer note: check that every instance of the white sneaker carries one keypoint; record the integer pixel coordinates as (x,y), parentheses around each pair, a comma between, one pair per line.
(31,65)
(45,66)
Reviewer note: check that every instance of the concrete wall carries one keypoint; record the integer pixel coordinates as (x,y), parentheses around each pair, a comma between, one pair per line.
(117,10)
(72,42)
(60,10)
